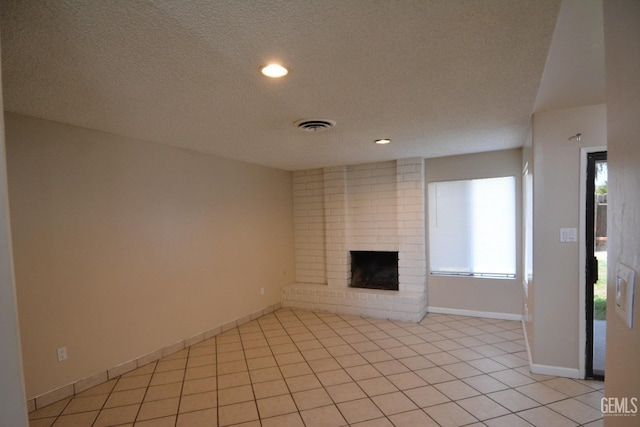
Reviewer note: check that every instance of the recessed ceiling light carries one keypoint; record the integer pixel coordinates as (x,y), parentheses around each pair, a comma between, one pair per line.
(382,141)
(274,71)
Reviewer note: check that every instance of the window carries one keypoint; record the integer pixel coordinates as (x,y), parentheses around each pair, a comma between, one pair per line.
(527,191)
(472,227)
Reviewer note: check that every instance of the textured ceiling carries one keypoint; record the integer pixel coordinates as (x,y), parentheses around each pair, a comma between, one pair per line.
(438,77)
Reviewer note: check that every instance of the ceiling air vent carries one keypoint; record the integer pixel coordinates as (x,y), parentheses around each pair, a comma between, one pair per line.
(314,125)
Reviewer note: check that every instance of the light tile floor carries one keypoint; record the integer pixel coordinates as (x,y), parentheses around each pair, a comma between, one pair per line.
(298,368)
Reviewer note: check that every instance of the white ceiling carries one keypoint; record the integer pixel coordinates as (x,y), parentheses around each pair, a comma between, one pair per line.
(438,77)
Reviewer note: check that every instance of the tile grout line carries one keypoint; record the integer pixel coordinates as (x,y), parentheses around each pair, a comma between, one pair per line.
(462,361)
(280,369)
(184,375)
(62,411)
(372,332)
(316,374)
(426,382)
(104,403)
(246,364)
(385,416)
(305,360)
(146,390)
(215,338)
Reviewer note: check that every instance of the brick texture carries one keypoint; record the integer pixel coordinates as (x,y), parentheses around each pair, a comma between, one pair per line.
(370,207)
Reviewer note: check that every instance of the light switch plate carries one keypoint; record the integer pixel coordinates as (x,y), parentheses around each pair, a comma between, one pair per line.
(568,235)
(624,293)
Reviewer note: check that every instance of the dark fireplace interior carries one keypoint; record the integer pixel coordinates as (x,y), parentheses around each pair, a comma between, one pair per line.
(374,270)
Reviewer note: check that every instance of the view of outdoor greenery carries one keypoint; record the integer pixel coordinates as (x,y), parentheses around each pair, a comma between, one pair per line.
(600,287)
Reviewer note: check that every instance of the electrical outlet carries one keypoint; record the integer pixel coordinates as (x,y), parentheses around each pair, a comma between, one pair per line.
(261,291)
(62,354)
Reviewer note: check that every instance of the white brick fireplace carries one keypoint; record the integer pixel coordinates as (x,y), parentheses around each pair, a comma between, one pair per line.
(371,207)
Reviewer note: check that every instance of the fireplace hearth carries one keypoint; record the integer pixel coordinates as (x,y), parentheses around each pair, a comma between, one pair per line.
(374,270)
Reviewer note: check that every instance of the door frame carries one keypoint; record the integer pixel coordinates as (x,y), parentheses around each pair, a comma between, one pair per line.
(582,299)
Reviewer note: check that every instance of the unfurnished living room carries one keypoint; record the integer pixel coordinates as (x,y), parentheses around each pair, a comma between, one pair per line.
(319,213)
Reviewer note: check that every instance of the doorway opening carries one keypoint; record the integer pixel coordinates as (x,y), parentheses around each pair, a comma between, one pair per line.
(596,265)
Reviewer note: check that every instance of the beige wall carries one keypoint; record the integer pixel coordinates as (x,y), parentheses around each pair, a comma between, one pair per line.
(13,409)
(555,308)
(123,247)
(474,294)
(622,51)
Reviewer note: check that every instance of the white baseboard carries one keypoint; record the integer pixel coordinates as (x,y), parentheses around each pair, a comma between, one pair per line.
(526,343)
(556,371)
(474,313)
(103,376)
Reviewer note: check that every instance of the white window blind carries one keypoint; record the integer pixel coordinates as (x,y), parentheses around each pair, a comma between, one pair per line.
(472,227)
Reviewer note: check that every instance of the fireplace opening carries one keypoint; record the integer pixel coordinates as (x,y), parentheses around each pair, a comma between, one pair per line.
(374,270)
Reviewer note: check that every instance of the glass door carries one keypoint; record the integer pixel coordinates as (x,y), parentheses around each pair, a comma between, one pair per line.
(596,264)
